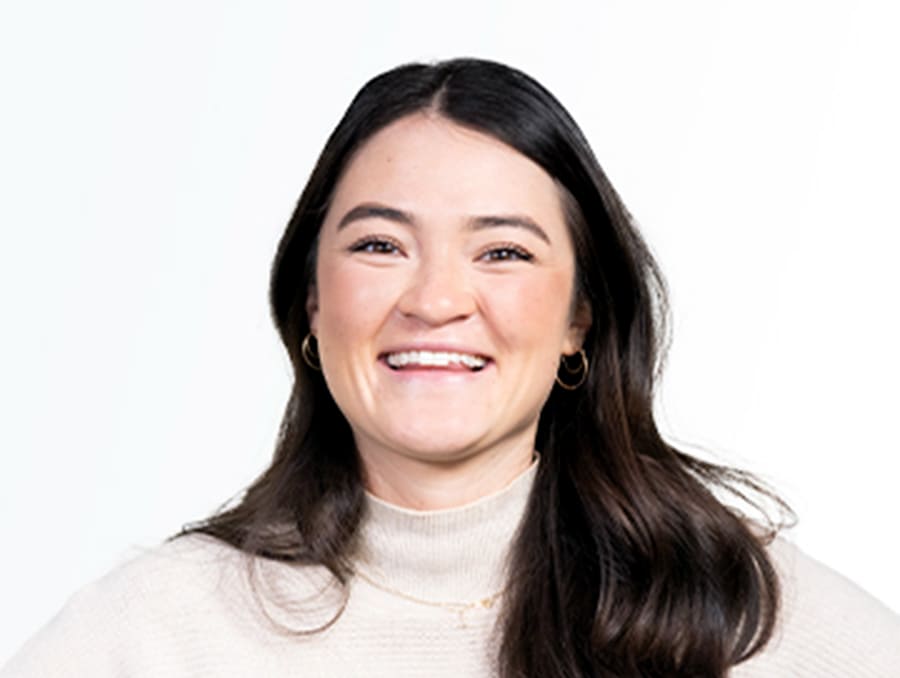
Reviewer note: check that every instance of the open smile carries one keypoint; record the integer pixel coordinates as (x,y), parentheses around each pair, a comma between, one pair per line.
(439,360)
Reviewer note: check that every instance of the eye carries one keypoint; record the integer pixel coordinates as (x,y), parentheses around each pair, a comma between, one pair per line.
(506,252)
(376,244)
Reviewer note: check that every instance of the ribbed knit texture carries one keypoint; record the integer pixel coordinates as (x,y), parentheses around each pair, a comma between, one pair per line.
(188,608)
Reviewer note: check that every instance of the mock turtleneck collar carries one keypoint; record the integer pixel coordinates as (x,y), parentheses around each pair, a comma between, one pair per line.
(452,555)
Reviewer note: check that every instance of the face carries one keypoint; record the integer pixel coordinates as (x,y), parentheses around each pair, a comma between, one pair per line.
(443,294)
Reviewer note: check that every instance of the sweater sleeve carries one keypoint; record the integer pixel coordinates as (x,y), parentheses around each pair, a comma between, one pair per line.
(828,626)
(81,639)
(171,611)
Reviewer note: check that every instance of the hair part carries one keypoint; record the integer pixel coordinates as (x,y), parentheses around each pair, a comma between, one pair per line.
(625,563)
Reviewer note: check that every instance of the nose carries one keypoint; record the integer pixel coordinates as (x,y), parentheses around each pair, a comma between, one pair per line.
(439,292)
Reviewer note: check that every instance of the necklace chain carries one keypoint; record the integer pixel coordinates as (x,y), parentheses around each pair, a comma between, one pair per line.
(459,607)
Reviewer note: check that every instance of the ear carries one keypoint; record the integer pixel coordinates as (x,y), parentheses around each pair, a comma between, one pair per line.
(579,325)
(312,307)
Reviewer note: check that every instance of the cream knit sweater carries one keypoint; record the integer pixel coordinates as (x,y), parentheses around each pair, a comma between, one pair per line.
(186,609)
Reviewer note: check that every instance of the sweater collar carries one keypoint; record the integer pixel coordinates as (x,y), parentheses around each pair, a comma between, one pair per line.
(452,555)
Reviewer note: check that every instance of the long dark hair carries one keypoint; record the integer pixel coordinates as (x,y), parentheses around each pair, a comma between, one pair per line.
(626,563)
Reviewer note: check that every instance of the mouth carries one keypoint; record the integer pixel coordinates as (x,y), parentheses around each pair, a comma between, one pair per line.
(435,360)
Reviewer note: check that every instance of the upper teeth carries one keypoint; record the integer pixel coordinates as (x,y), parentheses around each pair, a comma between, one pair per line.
(435,359)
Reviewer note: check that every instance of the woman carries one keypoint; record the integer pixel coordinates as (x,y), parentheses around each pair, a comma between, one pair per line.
(469,480)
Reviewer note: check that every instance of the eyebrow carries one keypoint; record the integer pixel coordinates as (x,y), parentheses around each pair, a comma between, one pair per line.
(374,211)
(377,211)
(515,220)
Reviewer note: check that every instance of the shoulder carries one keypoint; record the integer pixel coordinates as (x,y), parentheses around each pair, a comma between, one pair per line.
(128,605)
(175,575)
(828,626)
(182,604)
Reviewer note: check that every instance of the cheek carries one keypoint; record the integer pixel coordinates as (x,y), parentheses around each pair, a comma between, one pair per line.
(533,310)
(351,300)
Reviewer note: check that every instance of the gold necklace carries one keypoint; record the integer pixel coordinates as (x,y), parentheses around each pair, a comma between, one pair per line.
(459,607)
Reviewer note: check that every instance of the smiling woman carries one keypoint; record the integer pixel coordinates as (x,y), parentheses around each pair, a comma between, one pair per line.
(424,261)
(469,479)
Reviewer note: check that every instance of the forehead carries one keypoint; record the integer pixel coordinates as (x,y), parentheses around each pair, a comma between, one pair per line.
(427,164)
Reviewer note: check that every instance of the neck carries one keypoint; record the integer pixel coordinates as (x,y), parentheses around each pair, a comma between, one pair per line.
(457,555)
(429,484)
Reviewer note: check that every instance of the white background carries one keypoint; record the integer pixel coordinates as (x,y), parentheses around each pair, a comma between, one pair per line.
(151,153)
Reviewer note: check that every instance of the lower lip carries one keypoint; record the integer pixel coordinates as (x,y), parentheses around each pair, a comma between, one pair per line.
(435,373)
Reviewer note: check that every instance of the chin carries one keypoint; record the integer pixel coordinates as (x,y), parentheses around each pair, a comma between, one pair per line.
(443,444)
(439,449)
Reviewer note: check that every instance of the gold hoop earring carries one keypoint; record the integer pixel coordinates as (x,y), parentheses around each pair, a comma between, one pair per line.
(310,355)
(580,369)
